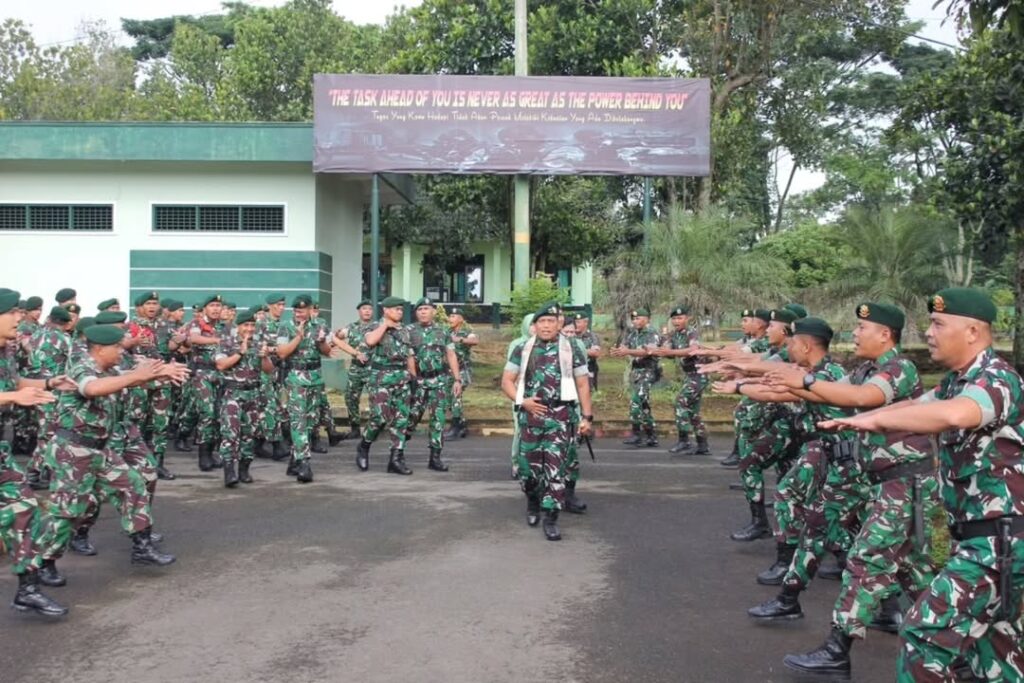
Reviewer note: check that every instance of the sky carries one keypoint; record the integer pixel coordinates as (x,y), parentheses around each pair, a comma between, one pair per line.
(59,22)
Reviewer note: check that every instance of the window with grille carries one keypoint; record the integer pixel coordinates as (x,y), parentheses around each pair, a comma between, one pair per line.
(54,217)
(218,218)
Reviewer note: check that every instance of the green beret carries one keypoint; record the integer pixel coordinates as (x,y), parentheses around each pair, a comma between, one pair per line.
(963,301)
(8,300)
(23,304)
(747,313)
(165,301)
(782,315)
(800,311)
(679,310)
(73,308)
(313,303)
(263,307)
(172,305)
(141,299)
(111,317)
(34,303)
(883,314)
(548,309)
(393,302)
(105,335)
(245,317)
(302,301)
(457,310)
(197,307)
(66,294)
(107,303)
(59,314)
(763,314)
(570,318)
(275,298)
(363,302)
(87,321)
(640,313)
(813,327)
(424,302)
(212,299)
(231,305)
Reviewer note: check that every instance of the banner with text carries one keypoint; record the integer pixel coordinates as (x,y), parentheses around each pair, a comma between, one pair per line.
(542,125)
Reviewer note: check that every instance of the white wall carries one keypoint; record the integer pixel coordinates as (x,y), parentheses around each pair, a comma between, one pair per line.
(339,232)
(97,264)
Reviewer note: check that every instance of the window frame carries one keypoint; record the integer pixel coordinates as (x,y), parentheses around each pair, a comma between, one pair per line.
(153,206)
(61,231)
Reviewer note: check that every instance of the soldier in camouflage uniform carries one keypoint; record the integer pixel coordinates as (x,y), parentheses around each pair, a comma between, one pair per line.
(465,339)
(681,344)
(26,420)
(437,377)
(170,344)
(50,347)
(20,514)
(87,467)
(204,340)
(143,340)
(391,360)
(546,377)
(111,304)
(592,343)
(273,423)
(325,418)
(241,360)
(641,344)
(972,609)
(300,345)
(891,549)
(349,339)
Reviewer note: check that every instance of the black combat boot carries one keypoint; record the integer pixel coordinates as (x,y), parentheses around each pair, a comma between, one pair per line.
(635,439)
(20,446)
(354,433)
(652,438)
(280,452)
(834,572)
(145,553)
(216,462)
(889,617)
(181,443)
(774,574)
(303,472)
(363,455)
(551,531)
(733,461)
(162,472)
(293,467)
(30,598)
(50,576)
(315,444)
(702,446)
(243,471)
(230,477)
(436,463)
(758,527)
(334,437)
(532,509)
(260,450)
(831,659)
(453,430)
(205,461)
(80,543)
(572,503)
(683,445)
(396,465)
(784,606)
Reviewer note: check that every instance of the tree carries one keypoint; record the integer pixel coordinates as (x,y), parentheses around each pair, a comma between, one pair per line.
(813,252)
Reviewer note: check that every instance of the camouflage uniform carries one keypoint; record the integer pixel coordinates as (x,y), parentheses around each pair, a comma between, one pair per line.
(766,437)
(687,404)
(87,467)
(644,372)
(26,419)
(589,341)
(273,420)
(982,479)
(156,422)
(240,403)
(205,381)
(359,373)
(164,330)
(464,354)
(127,438)
(390,395)
(741,419)
(541,460)
(48,359)
(302,381)
(433,390)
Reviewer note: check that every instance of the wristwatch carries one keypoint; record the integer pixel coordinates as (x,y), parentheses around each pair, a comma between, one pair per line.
(588,418)
(809,380)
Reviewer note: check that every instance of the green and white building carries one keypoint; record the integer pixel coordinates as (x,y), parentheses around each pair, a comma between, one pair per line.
(114,209)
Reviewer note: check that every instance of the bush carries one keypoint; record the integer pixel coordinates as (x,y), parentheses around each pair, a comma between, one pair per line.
(537,292)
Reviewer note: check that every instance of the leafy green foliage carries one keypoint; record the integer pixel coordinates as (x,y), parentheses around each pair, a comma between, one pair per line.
(539,290)
(814,253)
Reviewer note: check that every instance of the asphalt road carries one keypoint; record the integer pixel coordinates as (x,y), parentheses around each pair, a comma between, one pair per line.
(434,577)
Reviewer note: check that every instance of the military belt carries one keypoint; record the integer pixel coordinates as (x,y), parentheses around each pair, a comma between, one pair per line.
(384,368)
(241,386)
(925,466)
(433,374)
(980,528)
(81,440)
(203,365)
(303,365)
